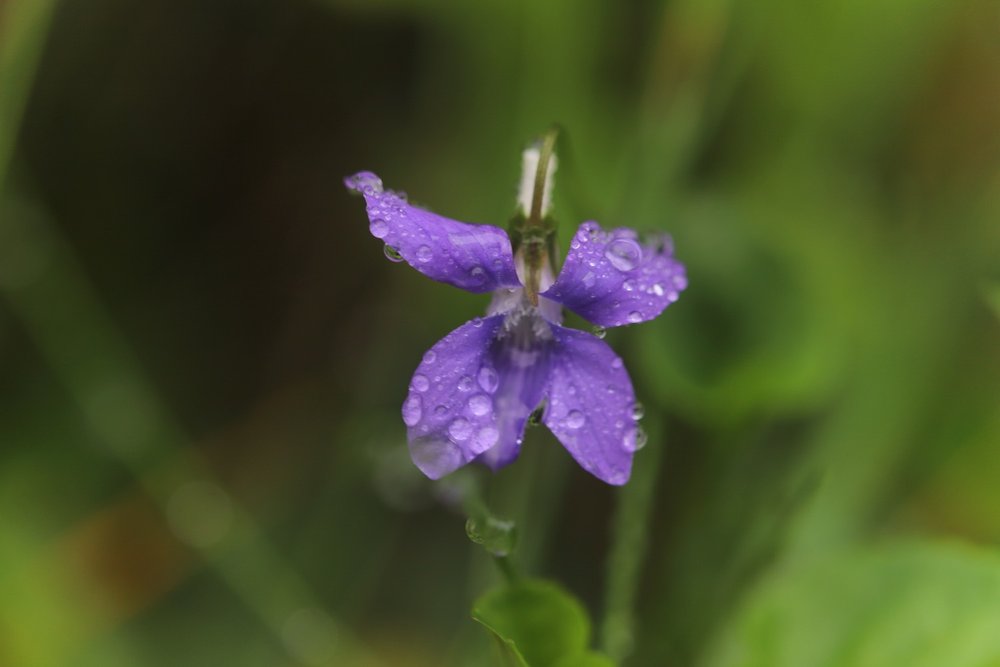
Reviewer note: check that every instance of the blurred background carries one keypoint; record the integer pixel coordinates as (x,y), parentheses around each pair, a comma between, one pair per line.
(203,352)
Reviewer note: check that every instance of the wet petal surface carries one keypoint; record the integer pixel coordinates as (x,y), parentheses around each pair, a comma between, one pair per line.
(476,258)
(451,409)
(611,278)
(591,405)
(520,358)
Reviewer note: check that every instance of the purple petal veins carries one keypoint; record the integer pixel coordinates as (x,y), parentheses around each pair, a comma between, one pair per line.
(611,279)
(476,258)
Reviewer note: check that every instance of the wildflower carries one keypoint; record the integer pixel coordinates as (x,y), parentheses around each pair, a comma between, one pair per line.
(474,391)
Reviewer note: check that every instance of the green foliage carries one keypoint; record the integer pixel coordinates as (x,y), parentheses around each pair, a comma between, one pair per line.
(919,605)
(538,624)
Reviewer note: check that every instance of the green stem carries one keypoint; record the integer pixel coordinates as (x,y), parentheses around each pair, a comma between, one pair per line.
(630,542)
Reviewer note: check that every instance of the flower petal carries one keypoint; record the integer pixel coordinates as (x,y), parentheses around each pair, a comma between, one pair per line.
(611,279)
(450,411)
(520,358)
(591,405)
(476,258)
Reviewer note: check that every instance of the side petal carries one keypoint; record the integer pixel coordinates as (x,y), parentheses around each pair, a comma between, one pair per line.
(590,405)
(520,359)
(476,258)
(611,279)
(449,411)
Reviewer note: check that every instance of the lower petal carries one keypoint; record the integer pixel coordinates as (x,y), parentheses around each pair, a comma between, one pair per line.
(521,361)
(451,413)
(591,405)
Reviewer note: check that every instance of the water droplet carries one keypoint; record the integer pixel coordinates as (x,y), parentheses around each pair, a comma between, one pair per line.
(635,439)
(477,274)
(420,382)
(379,228)
(635,316)
(480,405)
(617,363)
(657,289)
(430,356)
(600,332)
(465,384)
(424,254)
(441,411)
(366,182)
(624,254)
(588,279)
(672,296)
(392,254)
(488,379)
(412,410)
(638,411)
(486,438)
(575,419)
(434,455)
(460,430)
(477,322)
(629,285)
(680,281)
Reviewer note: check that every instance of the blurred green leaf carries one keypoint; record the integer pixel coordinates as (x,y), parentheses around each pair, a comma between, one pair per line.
(917,605)
(538,623)
(586,659)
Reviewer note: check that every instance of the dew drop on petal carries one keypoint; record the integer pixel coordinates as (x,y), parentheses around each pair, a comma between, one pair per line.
(477,322)
(420,382)
(635,316)
(480,404)
(635,439)
(617,363)
(460,430)
(486,438)
(657,289)
(680,281)
(412,410)
(638,411)
(600,332)
(424,254)
(441,411)
(430,356)
(624,254)
(465,384)
(392,254)
(488,379)
(379,228)
(629,285)
(477,274)
(588,279)
(575,419)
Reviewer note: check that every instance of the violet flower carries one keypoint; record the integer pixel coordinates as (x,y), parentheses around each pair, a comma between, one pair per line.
(473,393)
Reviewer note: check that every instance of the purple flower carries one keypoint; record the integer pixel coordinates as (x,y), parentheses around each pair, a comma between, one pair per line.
(471,396)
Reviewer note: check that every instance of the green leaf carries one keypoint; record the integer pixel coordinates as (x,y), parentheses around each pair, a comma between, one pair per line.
(586,659)
(920,605)
(537,620)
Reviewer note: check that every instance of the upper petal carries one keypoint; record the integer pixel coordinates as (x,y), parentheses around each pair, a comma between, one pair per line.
(591,405)
(610,278)
(477,258)
(451,411)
